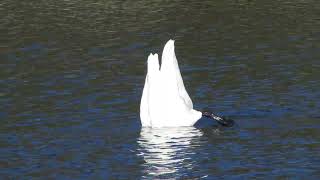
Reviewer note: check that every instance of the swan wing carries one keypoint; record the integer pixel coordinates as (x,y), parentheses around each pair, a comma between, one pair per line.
(144,105)
(170,66)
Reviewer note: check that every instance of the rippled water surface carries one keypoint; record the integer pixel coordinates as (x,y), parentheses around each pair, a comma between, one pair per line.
(72,73)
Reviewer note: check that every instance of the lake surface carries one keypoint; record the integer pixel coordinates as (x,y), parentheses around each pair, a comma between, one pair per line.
(72,73)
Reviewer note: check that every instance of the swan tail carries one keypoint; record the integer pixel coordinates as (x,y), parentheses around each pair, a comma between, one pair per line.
(153,69)
(153,65)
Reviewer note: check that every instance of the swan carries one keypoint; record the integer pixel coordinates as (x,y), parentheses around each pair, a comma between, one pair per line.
(165,101)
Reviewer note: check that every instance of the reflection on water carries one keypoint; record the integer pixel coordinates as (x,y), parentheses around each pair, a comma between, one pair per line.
(167,150)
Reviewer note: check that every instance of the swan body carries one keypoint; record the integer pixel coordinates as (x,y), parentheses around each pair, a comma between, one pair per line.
(165,101)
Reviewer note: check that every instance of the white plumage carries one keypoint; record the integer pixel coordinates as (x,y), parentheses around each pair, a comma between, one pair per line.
(165,101)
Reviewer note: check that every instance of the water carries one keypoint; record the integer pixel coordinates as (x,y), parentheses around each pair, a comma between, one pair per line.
(72,73)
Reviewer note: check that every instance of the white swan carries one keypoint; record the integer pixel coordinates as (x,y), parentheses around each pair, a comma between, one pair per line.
(165,101)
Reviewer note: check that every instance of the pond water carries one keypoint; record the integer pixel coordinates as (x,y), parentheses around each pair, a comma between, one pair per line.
(72,73)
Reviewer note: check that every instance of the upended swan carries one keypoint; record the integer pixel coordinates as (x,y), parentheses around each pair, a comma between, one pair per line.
(165,101)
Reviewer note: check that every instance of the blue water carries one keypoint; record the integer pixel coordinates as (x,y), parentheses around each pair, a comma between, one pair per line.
(72,73)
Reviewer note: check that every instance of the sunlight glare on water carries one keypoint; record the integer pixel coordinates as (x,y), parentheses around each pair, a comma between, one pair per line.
(168,150)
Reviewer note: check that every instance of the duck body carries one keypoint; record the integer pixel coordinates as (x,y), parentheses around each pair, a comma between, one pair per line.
(165,101)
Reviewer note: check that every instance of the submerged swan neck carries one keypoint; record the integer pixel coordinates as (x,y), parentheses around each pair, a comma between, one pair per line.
(221,120)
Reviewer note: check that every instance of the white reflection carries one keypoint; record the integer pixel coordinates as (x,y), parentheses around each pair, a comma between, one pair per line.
(166,150)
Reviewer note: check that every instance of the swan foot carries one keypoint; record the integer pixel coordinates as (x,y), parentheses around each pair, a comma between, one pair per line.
(221,120)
